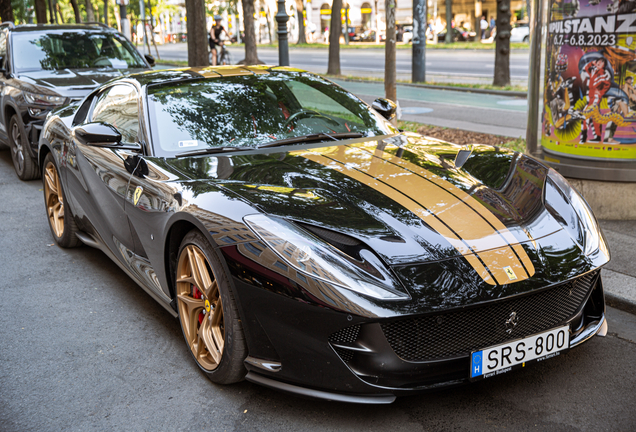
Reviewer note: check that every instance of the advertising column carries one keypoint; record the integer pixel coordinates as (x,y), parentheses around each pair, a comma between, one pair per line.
(589,110)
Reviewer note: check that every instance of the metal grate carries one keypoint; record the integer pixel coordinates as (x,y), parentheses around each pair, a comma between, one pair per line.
(346,335)
(455,334)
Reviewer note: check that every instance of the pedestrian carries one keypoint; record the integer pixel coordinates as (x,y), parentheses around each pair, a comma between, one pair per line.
(493,24)
(483,25)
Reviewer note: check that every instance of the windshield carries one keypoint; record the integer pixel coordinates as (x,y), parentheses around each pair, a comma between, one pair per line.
(247,111)
(73,50)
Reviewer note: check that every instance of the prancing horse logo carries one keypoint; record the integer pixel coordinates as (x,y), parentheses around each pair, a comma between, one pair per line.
(513,320)
(137,195)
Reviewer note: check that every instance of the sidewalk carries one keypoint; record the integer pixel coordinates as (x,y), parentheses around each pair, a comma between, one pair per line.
(619,276)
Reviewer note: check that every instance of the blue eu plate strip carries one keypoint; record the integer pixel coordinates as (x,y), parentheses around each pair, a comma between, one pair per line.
(476,364)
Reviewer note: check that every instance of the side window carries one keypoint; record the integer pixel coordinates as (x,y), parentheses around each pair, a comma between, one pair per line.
(82,111)
(118,106)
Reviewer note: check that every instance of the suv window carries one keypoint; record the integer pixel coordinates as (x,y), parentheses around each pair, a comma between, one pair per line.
(72,50)
(117,106)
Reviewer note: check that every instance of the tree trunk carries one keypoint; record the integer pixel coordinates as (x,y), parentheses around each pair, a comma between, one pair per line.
(76,11)
(52,16)
(377,22)
(389,49)
(59,12)
(449,21)
(6,11)
(106,12)
(197,33)
(335,29)
(90,12)
(251,57)
(300,9)
(502,47)
(40,11)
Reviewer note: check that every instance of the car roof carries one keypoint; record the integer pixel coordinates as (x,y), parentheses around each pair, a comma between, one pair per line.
(52,27)
(211,72)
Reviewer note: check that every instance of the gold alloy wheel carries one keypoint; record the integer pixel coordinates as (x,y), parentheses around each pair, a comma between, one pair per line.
(54,200)
(200,307)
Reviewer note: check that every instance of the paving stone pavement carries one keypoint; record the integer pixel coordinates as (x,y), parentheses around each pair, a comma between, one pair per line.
(619,276)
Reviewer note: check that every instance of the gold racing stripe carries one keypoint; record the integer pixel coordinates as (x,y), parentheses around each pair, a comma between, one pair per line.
(407,203)
(469,200)
(463,196)
(452,217)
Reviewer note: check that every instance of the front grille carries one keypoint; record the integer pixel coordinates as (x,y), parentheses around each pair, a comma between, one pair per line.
(455,334)
(346,335)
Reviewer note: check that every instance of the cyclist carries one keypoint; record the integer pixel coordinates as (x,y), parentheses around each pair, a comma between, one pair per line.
(215,37)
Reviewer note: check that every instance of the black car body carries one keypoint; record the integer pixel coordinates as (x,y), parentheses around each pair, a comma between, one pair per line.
(46,66)
(447,250)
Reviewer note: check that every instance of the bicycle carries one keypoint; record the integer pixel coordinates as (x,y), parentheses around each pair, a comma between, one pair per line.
(223,56)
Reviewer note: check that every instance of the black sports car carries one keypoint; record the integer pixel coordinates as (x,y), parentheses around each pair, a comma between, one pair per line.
(307,245)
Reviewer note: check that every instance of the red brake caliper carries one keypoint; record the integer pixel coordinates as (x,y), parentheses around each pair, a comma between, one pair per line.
(197,295)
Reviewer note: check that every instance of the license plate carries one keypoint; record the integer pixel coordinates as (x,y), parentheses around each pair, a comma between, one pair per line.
(503,358)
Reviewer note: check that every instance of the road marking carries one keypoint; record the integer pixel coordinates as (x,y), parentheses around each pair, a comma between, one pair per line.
(516,102)
(416,110)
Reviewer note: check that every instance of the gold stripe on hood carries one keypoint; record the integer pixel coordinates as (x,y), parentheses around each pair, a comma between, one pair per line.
(405,202)
(468,226)
(468,199)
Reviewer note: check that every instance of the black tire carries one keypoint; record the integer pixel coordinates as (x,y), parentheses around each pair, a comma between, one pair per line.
(25,167)
(64,234)
(526,39)
(230,368)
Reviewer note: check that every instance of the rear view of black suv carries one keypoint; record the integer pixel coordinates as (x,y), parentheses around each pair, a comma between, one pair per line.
(45,66)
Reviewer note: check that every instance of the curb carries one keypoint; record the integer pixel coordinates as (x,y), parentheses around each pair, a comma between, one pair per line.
(619,302)
(509,93)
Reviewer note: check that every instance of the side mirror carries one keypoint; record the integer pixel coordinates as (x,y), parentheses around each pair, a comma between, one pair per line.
(97,134)
(385,107)
(102,135)
(150,59)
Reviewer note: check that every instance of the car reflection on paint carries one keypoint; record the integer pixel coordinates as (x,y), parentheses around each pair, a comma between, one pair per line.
(307,245)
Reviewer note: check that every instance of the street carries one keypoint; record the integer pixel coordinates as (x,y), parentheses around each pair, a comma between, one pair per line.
(84,348)
(469,66)
(477,112)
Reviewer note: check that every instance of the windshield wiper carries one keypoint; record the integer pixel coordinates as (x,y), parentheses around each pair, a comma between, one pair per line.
(211,150)
(311,137)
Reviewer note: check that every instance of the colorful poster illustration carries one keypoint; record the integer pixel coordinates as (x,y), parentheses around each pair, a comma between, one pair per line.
(590,99)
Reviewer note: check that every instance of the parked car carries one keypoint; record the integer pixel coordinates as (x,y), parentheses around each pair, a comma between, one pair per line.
(353,36)
(407,34)
(459,35)
(369,36)
(520,33)
(46,66)
(305,244)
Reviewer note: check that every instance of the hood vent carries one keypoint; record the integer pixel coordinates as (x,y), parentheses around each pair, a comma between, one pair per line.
(332,237)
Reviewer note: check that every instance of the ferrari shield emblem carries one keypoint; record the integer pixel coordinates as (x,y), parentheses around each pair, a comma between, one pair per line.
(511,274)
(137,195)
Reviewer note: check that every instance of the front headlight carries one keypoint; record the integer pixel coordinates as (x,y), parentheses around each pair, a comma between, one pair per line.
(572,211)
(42,99)
(317,259)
